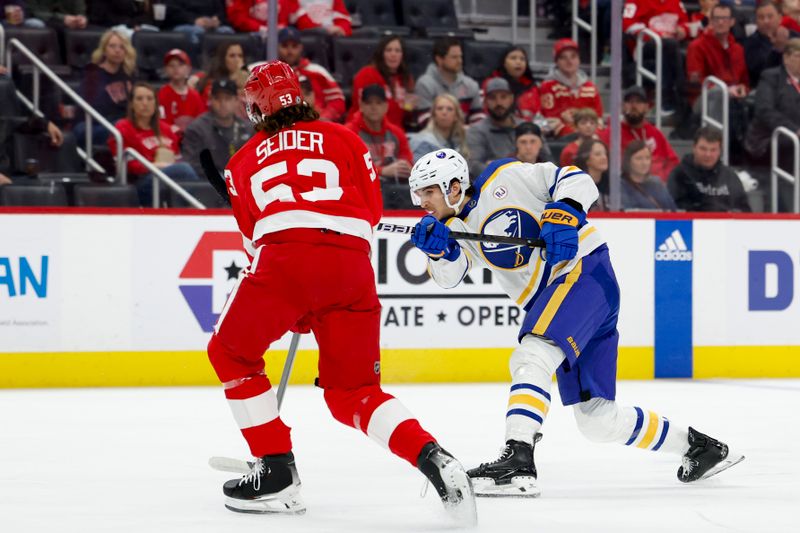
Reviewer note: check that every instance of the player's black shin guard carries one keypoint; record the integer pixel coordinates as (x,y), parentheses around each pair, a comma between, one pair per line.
(272,486)
(706,457)
(512,474)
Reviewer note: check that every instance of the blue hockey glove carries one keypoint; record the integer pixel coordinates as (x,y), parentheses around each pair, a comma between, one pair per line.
(560,223)
(433,238)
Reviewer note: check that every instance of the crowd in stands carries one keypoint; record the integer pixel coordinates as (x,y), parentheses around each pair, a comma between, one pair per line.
(194,99)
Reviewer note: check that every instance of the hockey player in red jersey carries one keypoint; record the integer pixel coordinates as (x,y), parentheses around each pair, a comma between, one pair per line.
(306,198)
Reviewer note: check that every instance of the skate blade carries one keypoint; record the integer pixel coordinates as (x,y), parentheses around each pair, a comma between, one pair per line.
(287,501)
(520,487)
(729,461)
(461,496)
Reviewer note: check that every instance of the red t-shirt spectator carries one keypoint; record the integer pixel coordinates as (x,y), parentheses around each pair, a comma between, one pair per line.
(790,23)
(396,96)
(328,96)
(556,98)
(661,16)
(706,57)
(180,109)
(385,146)
(664,157)
(251,15)
(307,14)
(145,142)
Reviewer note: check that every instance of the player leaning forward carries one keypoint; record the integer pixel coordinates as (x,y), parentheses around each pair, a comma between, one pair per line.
(306,198)
(571,299)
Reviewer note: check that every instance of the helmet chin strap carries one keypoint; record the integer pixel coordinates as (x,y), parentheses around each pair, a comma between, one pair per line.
(458,205)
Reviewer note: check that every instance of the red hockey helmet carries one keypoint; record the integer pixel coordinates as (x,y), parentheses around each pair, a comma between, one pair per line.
(271,87)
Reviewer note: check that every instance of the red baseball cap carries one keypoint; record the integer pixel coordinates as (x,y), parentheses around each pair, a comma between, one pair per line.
(177,53)
(563,44)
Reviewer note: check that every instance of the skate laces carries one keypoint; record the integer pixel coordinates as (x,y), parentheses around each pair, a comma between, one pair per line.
(505,453)
(255,475)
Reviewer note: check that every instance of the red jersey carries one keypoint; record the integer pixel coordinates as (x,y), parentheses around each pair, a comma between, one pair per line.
(251,15)
(307,14)
(146,142)
(310,175)
(661,16)
(386,145)
(706,57)
(395,96)
(664,157)
(180,109)
(556,98)
(328,96)
(790,24)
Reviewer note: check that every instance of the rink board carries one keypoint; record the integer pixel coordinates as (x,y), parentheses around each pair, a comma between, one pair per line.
(116,298)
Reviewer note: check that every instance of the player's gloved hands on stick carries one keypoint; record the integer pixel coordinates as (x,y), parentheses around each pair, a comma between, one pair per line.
(433,238)
(560,223)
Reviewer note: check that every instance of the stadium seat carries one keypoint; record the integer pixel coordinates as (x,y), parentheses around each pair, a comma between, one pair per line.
(96,195)
(434,17)
(418,54)
(63,159)
(201,190)
(372,12)
(79,46)
(8,96)
(396,195)
(349,55)
(316,47)
(51,194)
(151,47)
(42,42)
(481,58)
(253,48)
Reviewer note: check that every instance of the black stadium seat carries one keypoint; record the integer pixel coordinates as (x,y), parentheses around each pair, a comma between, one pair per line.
(418,54)
(42,42)
(481,58)
(349,55)
(429,14)
(372,12)
(254,49)
(201,190)
(316,47)
(50,158)
(51,194)
(151,46)
(102,195)
(79,46)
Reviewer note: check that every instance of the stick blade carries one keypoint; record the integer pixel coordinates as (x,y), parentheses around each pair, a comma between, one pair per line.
(213,176)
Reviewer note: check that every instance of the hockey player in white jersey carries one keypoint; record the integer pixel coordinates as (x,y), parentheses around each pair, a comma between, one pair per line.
(571,299)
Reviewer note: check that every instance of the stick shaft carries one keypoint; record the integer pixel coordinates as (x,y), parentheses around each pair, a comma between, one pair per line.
(458,235)
(287,368)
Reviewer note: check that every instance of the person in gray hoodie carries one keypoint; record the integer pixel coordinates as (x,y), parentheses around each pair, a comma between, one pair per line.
(446,75)
(493,136)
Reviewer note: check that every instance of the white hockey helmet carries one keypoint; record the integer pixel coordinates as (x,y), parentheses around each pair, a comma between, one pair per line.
(439,167)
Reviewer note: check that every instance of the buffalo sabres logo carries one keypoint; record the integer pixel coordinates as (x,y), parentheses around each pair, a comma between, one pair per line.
(441,155)
(512,222)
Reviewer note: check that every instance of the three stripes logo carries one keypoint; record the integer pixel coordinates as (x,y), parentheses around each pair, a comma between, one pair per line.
(674,249)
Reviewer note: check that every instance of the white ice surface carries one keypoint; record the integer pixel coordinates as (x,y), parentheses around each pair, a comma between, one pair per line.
(134,460)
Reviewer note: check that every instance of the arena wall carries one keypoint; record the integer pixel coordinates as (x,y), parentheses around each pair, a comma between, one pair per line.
(129,298)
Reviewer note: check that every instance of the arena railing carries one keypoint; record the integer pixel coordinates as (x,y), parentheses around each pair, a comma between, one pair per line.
(641,71)
(158,174)
(515,26)
(2,42)
(775,170)
(708,83)
(38,68)
(590,27)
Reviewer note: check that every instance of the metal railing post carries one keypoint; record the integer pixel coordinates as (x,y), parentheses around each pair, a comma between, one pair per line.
(589,27)
(158,174)
(706,119)
(532,35)
(775,170)
(2,43)
(655,77)
(514,20)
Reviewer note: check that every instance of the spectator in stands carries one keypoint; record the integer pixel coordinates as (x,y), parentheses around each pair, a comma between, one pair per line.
(493,137)
(528,143)
(196,17)
(70,14)
(306,89)
(634,126)
(668,19)
(387,143)
(106,83)
(14,13)
(445,129)
(791,15)
(592,158)
(180,104)
(702,183)
(566,89)
(227,63)
(153,138)
(764,48)
(640,189)
(329,98)
(330,15)
(219,129)
(387,68)
(251,15)
(702,16)
(514,68)
(586,124)
(446,75)
(125,16)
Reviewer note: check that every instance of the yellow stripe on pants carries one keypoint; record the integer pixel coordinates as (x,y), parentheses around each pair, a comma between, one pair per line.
(556,300)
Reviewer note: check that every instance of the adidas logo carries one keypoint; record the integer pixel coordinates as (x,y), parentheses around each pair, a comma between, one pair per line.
(674,249)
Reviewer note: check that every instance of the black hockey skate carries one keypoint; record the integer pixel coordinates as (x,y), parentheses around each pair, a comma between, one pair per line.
(272,486)
(450,480)
(512,475)
(706,457)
